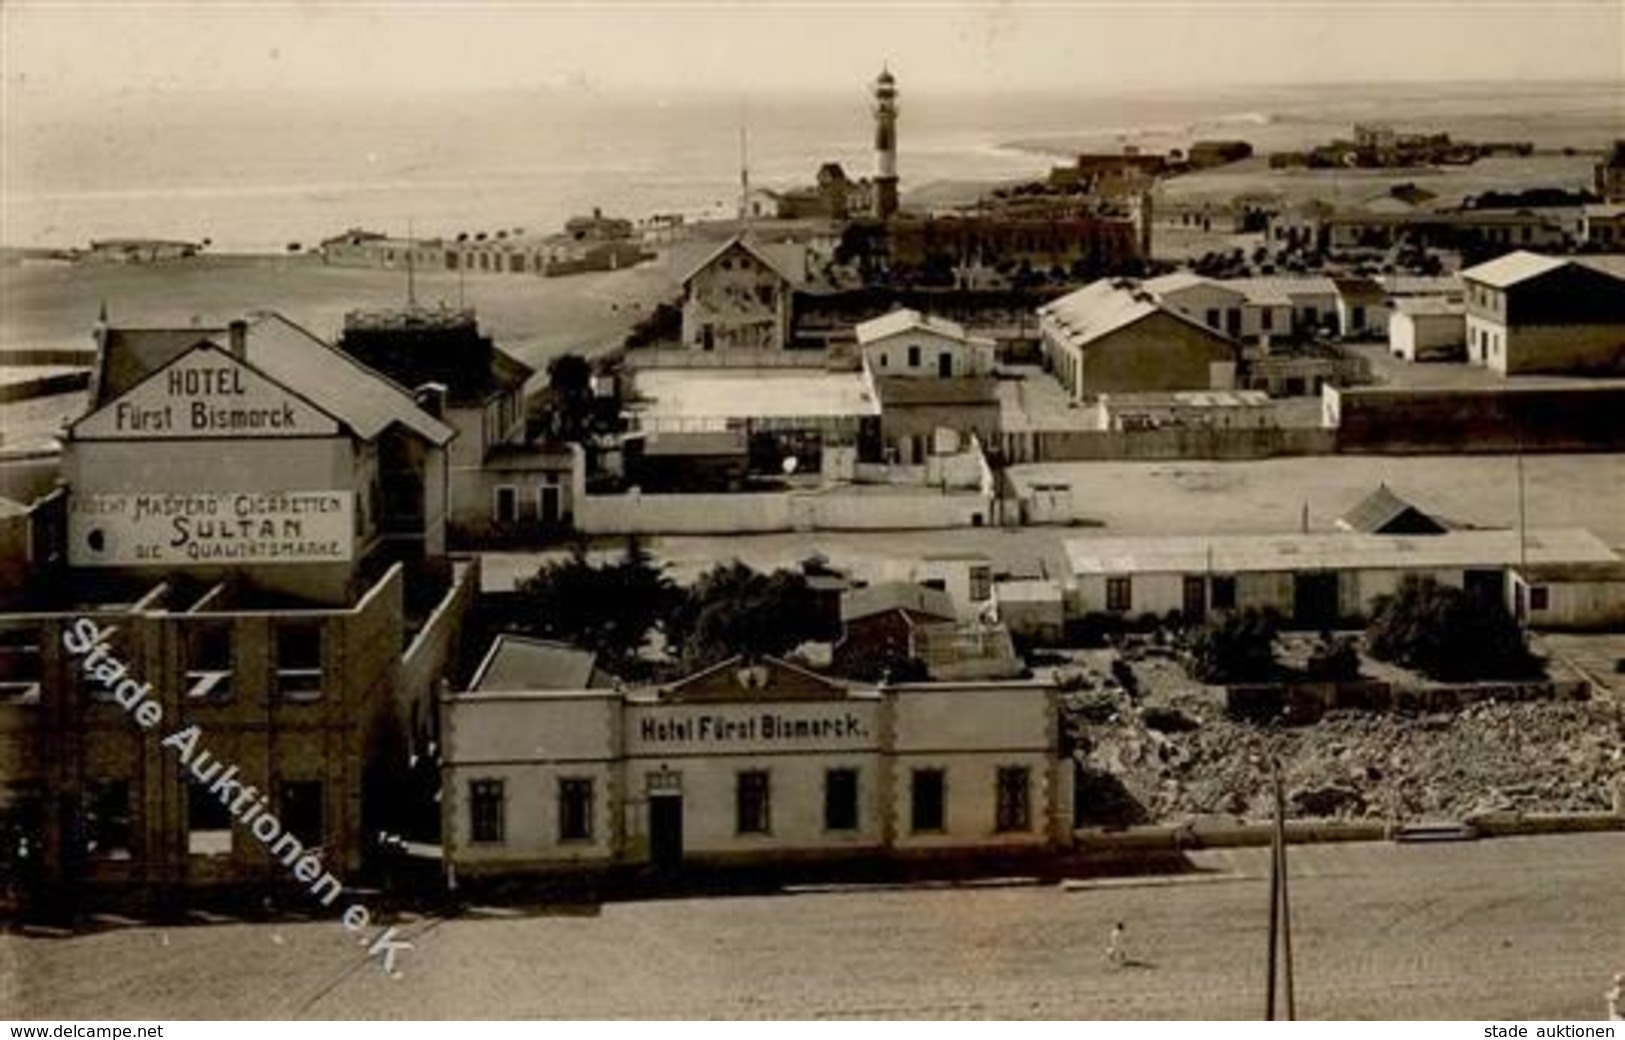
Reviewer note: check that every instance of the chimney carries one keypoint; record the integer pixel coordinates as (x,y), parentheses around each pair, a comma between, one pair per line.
(239,339)
(431,397)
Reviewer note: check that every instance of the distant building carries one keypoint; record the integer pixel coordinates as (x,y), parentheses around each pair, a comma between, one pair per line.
(1039,243)
(1428,328)
(930,375)
(739,298)
(1603,226)
(588,243)
(1610,174)
(501,485)
(1383,512)
(1532,313)
(1113,337)
(1204,409)
(1314,580)
(1203,155)
(140,250)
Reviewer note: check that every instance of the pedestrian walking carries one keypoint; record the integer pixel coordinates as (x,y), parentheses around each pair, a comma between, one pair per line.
(1115,954)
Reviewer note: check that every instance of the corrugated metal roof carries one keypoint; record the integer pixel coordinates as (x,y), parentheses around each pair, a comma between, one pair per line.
(1378,510)
(1512,268)
(519,664)
(1331,551)
(362,398)
(1103,307)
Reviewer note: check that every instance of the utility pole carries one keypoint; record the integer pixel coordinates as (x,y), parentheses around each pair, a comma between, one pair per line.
(1280,942)
(1523,525)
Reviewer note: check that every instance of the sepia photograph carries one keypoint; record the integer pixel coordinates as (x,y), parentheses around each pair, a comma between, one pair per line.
(709,511)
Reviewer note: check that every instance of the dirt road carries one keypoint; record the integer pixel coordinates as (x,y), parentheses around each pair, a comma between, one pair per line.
(1512,929)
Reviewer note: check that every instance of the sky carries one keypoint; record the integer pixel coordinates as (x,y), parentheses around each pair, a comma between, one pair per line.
(88,49)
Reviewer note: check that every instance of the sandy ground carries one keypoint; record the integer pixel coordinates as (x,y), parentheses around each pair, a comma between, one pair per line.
(1115,499)
(1513,929)
(55,306)
(1348,187)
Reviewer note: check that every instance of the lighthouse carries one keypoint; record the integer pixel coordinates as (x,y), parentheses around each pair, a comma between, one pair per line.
(885,145)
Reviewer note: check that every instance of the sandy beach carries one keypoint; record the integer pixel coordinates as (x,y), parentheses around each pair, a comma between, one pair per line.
(54,306)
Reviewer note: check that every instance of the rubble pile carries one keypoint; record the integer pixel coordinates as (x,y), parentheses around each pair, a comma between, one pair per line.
(1489,757)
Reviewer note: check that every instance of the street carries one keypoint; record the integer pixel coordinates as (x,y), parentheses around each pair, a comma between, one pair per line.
(1518,928)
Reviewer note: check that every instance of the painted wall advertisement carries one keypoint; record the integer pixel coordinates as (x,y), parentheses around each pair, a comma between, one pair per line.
(206,528)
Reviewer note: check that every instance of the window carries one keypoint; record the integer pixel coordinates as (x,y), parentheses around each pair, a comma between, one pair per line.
(882,359)
(1119,594)
(925,801)
(208,822)
(299,661)
(981,583)
(1212,317)
(1224,592)
(1266,319)
(485,812)
(301,811)
(107,819)
(505,506)
(575,809)
(208,662)
(1539,597)
(840,799)
(751,803)
(1013,811)
(913,357)
(1359,318)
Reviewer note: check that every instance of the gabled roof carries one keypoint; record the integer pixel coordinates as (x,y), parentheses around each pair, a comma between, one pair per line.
(904,319)
(125,356)
(1383,512)
(520,664)
(362,399)
(885,597)
(1177,281)
(762,679)
(1104,307)
(763,253)
(1512,268)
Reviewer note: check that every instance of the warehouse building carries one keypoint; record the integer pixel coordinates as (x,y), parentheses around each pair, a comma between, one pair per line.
(749,761)
(1315,580)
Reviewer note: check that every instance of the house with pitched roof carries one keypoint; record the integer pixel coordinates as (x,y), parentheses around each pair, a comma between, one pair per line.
(1529,312)
(1114,337)
(738,297)
(255,451)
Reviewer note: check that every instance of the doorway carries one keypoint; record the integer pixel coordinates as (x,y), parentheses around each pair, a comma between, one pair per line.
(1314,599)
(666,831)
(1194,601)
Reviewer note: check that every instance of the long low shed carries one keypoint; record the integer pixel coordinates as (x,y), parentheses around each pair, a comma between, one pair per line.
(1314,579)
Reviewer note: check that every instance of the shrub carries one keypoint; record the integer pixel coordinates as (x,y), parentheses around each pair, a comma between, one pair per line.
(1168,720)
(1234,647)
(1448,635)
(1334,659)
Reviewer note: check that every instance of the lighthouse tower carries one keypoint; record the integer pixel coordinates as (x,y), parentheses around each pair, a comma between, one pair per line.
(885,145)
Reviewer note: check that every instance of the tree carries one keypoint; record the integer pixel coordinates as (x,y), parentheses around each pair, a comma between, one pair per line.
(1234,647)
(734,609)
(1447,634)
(569,389)
(609,608)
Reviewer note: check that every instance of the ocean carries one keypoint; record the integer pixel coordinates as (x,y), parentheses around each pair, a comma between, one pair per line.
(256,172)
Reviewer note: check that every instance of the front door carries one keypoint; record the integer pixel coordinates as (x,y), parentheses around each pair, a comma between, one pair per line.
(1315,599)
(666,831)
